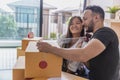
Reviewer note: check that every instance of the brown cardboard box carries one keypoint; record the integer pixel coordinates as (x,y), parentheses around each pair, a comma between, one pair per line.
(25,41)
(33,59)
(116,27)
(19,69)
(20,52)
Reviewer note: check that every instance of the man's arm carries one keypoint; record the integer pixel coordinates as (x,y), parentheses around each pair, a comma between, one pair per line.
(91,50)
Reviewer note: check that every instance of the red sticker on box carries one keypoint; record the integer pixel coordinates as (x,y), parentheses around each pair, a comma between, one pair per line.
(43,64)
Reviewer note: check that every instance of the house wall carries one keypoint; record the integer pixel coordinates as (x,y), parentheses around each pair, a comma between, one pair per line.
(58,23)
(45,23)
(63,22)
(116,2)
(76,13)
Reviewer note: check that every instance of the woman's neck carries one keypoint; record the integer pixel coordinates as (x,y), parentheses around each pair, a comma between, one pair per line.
(76,35)
(74,39)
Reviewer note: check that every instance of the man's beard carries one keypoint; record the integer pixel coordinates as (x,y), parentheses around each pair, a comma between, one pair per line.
(90,27)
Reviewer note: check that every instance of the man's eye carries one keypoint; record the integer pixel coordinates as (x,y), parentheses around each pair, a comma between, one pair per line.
(85,18)
(78,23)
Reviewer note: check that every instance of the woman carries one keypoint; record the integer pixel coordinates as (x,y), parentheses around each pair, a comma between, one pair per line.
(75,39)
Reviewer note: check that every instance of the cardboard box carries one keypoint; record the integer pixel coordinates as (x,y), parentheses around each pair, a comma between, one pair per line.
(115,25)
(33,62)
(20,52)
(19,69)
(25,41)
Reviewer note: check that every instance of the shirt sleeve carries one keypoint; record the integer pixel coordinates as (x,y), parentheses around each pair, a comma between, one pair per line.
(105,36)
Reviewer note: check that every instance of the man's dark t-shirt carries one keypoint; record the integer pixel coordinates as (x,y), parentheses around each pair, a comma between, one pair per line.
(105,65)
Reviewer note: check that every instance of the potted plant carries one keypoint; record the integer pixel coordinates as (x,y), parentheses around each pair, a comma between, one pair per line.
(53,35)
(112,10)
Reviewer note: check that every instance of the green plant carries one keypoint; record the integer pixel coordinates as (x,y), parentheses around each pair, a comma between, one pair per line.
(53,35)
(45,38)
(113,9)
(8,29)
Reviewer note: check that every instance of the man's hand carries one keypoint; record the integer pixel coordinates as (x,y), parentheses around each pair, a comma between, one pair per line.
(44,47)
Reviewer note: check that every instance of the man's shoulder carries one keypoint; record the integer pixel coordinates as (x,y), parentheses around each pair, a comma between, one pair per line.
(105,30)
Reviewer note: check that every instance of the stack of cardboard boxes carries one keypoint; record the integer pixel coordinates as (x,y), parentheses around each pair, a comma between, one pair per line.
(39,65)
(36,65)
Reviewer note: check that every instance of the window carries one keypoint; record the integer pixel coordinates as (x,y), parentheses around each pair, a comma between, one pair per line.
(25,15)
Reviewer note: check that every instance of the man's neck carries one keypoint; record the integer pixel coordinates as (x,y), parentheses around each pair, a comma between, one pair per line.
(98,26)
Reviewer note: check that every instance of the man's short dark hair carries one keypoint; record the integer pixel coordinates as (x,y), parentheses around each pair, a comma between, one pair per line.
(96,9)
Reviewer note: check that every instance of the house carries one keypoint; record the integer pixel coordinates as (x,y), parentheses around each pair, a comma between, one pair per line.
(27,16)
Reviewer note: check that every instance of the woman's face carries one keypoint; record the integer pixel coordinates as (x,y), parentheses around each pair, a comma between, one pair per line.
(75,26)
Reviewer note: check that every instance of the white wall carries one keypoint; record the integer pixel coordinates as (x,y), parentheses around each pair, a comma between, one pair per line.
(104,4)
(116,2)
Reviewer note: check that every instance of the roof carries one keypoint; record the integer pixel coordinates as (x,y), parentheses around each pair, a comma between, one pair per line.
(66,5)
(5,8)
(31,3)
(68,9)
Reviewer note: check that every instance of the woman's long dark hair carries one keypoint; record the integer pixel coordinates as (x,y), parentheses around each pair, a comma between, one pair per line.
(69,34)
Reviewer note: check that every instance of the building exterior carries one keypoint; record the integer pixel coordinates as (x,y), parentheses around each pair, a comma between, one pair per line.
(27,16)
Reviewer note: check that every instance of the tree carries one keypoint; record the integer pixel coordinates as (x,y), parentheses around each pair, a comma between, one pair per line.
(8,29)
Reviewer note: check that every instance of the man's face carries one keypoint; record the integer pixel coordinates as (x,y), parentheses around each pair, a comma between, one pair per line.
(88,21)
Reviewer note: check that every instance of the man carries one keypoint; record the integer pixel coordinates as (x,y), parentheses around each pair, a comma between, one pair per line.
(102,50)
